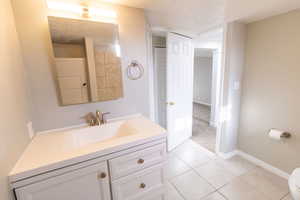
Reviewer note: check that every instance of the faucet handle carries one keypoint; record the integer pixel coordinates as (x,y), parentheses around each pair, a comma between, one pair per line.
(92,122)
(103,116)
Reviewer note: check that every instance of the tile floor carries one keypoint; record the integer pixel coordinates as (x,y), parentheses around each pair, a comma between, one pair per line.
(201,112)
(194,174)
(203,134)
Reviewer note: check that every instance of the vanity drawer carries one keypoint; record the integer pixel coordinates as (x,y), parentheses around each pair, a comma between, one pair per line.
(130,163)
(147,184)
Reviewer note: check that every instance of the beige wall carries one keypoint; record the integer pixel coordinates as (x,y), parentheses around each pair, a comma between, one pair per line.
(271,90)
(37,55)
(14,104)
(232,71)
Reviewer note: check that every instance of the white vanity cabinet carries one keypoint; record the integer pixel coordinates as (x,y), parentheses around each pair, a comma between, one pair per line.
(139,175)
(88,183)
(136,173)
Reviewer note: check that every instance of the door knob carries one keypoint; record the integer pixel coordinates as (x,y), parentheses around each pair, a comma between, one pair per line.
(171,103)
(101,175)
(142,185)
(140,161)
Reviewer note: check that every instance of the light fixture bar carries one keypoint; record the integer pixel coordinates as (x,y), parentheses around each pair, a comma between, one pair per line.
(83,11)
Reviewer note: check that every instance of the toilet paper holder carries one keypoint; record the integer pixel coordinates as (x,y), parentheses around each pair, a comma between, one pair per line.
(284,134)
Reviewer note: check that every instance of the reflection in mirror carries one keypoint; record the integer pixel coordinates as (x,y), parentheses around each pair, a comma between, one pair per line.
(87,60)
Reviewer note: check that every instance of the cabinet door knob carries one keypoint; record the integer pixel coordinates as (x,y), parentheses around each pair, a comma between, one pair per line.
(140,161)
(143,185)
(101,175)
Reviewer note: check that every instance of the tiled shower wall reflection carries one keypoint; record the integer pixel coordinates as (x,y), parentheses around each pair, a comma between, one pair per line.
(108,75)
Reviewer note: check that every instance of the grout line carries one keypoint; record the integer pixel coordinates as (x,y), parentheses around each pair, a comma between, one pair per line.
(220,193)
(169,179)
(180,194)
(191,169)
(285,196)
(216,190)
(209,194)
(206,180)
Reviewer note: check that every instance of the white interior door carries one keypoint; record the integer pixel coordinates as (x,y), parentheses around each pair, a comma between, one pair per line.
(72,80)
(180,54)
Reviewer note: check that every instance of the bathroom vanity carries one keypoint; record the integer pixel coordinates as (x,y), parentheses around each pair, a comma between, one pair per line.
(120,160)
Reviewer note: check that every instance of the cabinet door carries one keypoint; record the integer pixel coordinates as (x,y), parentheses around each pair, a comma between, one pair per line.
(88,183)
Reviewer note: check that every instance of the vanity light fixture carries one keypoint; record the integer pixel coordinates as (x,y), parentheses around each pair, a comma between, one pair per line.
(83,10)
(66,7)
(102,12)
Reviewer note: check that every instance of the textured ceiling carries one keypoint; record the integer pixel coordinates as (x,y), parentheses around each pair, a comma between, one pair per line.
(65,30)
(189,17)
(197,16)
(193,17)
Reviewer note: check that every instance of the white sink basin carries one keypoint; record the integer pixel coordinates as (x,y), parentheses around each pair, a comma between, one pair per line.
(113,130)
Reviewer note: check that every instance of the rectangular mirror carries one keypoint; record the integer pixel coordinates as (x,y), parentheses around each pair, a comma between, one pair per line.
(87,60)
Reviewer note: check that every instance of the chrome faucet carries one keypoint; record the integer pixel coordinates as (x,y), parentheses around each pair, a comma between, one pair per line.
(99,119)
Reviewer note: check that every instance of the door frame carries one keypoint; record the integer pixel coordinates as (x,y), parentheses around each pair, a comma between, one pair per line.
(219,96)
(155,83)
(217,81)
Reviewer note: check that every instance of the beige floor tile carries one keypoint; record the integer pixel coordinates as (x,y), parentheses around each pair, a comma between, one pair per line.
(187,146)
(236,165)
(214,196)
(192,154)
(193,157)
(270,184)
(203,134)
(172,193)
(201,111)
(171,153)
(174,166)
(240,190)
(192,186)
(215,174)
(199,126)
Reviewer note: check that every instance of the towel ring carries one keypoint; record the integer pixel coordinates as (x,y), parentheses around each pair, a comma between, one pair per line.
(135,70)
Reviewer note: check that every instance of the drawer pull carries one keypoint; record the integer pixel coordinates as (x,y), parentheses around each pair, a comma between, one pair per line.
(102,175)
(140,161)
(143,185)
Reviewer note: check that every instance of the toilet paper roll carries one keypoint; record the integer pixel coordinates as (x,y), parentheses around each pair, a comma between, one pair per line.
(277,134)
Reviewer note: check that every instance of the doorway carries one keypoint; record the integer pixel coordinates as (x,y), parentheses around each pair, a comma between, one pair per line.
(159,53)
(204,130)
(201,112)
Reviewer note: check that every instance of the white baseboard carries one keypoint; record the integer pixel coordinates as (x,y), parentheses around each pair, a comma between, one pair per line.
(202,103)
(263,164)
(227,155)
(255,161)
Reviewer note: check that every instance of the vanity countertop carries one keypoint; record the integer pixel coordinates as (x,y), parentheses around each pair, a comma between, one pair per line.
(58,149)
